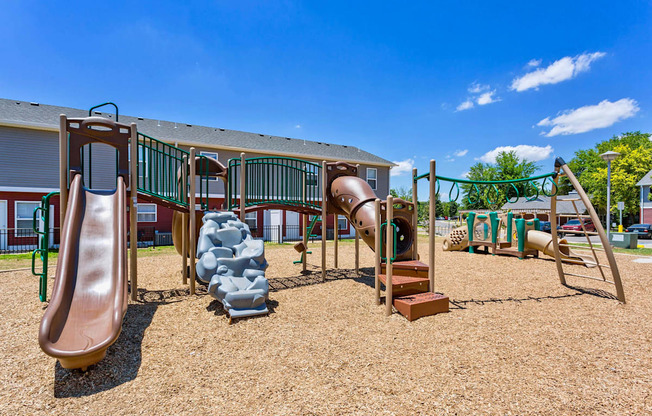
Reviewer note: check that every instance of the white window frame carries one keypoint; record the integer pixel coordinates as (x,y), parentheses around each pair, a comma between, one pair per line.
(252,216)
(210,154)
(31,219)
(375,170)
(346,223)
(147,213)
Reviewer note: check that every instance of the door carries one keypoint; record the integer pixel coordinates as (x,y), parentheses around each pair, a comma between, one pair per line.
(292,226)
(274,227)
(3,225)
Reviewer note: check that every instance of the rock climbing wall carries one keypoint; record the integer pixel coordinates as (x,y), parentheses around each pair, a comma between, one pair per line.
(458,239)
(233,264)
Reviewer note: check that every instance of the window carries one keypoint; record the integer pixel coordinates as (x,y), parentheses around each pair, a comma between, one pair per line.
(311,179)
(341,223)
(143,161)
(251,219)
(372,177)
(146,212)
(212,155)
(24,216)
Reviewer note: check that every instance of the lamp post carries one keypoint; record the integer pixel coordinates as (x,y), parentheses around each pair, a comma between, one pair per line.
(608,157)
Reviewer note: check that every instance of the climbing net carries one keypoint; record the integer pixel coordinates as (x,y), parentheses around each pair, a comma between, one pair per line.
(494,192)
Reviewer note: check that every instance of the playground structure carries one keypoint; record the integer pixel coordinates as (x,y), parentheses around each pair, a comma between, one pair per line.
(89,298)
(504,234)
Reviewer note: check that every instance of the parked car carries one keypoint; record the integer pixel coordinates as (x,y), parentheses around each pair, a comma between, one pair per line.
(544,226)
(576,225)
(643,230)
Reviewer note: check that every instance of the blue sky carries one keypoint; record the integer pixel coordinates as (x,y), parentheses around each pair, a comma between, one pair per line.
(409,82)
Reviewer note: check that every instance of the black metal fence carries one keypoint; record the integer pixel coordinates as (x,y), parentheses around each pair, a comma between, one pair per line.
(290,233)
(25,240)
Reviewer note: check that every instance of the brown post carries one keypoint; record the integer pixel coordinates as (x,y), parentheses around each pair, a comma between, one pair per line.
(620,292)
(243,178)
(388,255)
(193,221)
(431,226)
(357,238)
(63,168)
(357,251)
(336,234)
(555,234)
(377,249)
(304,227)
(184,221)
(415,222)
(133,213)
(324,218)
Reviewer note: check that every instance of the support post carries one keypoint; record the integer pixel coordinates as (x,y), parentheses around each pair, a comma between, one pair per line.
(304,218)
(431,225)
(324,217)
(63,168)
(377,237)
(133,213)
(613,266)
(389,229)
(415,219)
(243,178)
(357,237)
(193,221)
(184,221)
(336,236)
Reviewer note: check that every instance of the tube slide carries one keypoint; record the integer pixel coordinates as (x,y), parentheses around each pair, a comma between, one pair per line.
(89,299)
(355,199)
(542,241)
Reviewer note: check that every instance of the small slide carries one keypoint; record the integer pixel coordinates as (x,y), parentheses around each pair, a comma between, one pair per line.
(542,241)
(89,299)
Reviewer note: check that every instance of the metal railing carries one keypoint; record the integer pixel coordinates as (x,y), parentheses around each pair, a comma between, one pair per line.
(277,181)
(24,240)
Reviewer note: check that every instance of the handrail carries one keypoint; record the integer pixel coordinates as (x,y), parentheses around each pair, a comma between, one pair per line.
(90,111)
(44,243)
(277,180)
(395,234)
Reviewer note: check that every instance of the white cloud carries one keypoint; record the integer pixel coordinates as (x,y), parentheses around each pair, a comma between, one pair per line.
(487,98)
(534,62)
(460,153)
(560,70)
(590,117)
(466,105)
(477,88)
(523,151)
(298,126)
(402,166)
(465,175)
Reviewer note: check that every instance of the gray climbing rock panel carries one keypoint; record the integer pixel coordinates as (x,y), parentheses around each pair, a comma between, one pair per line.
(233,264)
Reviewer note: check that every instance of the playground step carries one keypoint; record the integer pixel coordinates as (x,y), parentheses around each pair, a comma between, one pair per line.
(408,268)
(405,285)
(420,305)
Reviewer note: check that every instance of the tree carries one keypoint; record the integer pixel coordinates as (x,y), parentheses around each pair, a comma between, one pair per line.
(508,166)
(402,192)
(634,162)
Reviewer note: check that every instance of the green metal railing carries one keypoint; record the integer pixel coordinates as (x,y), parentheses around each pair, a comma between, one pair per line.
(489,190)
(275,180)
(383,227)
(159,170)
(43,243)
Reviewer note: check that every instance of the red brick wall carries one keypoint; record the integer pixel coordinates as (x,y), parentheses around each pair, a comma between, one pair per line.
(646,217)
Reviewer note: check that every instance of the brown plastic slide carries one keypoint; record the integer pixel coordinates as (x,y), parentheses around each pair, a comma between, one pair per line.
(89,299)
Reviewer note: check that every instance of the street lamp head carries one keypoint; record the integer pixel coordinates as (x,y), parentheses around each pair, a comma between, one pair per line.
(609,156)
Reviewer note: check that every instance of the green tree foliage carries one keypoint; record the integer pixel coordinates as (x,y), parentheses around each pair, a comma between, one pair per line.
(508,166)
(634,162)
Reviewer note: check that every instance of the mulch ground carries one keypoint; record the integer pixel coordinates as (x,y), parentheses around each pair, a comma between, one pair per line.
(514,342)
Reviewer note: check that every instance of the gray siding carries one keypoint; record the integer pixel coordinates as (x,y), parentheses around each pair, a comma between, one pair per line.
(29,158)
